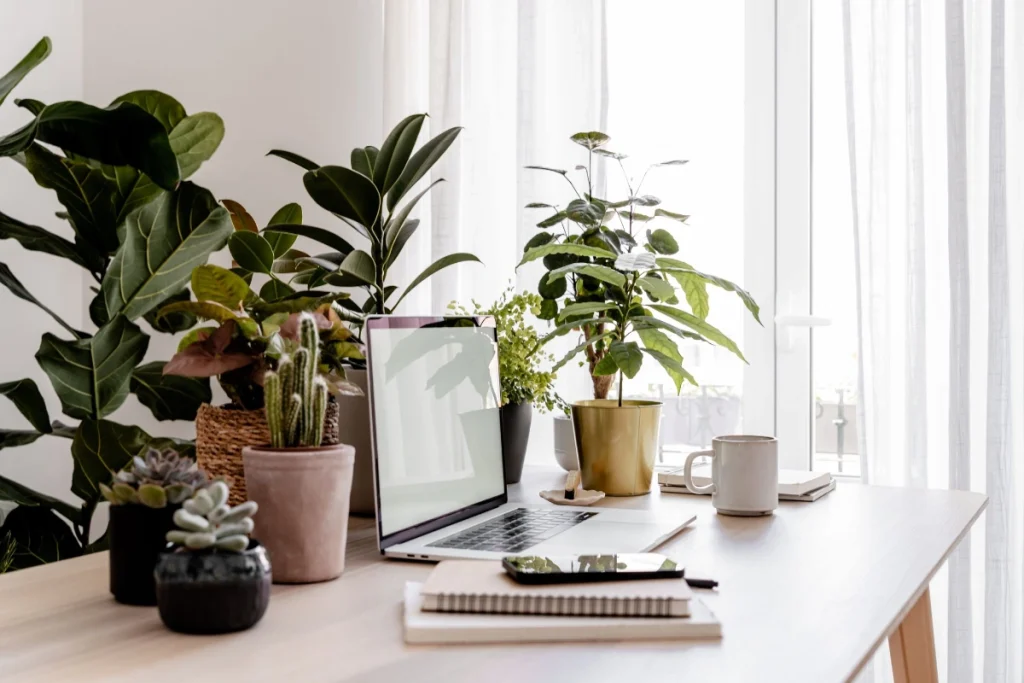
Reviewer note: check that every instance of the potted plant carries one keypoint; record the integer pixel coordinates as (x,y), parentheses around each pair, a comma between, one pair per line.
(143,499)
(612,283)
(217,580)
(252,334)
(524,382)
(302,485)
(366,198)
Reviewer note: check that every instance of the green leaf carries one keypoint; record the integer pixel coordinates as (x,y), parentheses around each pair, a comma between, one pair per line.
(359,265)
(91,376)
(625,239)
(163,243)
(701,327)
(671,214)
(642,322)
(26,397)
(14,492)
(362,162)
(548,168)
(100,449)
(540,205)
(439,264)
(551,221)
(605,366)
(34,106)
(421,162)
(548,309)
(241,219)
(564,249)
(213,283)
(344,192)
(169,397)
(538,240)
(296,303)
(251,251)
(635,262)
(657,288)
(397,240)
(17,289)
(275,290)
(325,237)
(398,220)
(39,537)
(211,310)
(164,108)
(610,155)
(673,162)
(197,334)
(395,152)
(591,140)
(587,213)
(12,438)
(645,200)
(195,139)
(289,214)
(291,262)
(171,324)
(565,328)
(585,308)
(34,58)
(673,367)
(662,241)
(675,268)
(294,158)
(598,272)
(574,352)
(627,357)
(552,287)
(36,239)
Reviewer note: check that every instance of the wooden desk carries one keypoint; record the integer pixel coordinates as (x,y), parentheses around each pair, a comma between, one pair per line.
(806,596)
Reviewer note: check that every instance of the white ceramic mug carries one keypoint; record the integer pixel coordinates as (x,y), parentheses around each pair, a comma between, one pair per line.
(744,474)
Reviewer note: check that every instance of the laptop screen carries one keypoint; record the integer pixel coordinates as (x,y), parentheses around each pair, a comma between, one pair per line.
(435,396)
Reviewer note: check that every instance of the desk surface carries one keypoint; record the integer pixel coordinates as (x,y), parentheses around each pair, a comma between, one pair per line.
(806,595)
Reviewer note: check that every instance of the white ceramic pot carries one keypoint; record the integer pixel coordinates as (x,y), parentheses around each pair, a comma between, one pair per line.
(565,443)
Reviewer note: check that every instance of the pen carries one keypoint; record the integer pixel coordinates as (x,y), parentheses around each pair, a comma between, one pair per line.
(702,583)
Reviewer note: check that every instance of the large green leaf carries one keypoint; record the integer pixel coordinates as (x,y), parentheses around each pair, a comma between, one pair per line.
(552,287)
(168,324)
(696,290)
(321,235)
(662,241)
(251,251)
(211,310)
(398,219)
(91,376)
(84,191)
(596,271)
(100,449)
(671,214)
(344,192)
(585,308)
(395,241)
(195,139)
(169,397)
(296,303)
(39,537)
(565,328)
(164,108)
(14,492)
(121,135)
(565,249)
(289,214)
(359,265)
(34,58)
(675,268)
(656,287)
(673,367)
(642,322)
(421,162)
(17,289)
(296,159)
(395,152)
(627,357)
(701,327)
(213,283)
(12,438)
(36,239)
(587,213)
(275,290)
(661,347)
(439,264)
(25,395)
(163,243)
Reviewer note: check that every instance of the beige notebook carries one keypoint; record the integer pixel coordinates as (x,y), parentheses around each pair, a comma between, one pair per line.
(441,627)
(484,587)
(791,482)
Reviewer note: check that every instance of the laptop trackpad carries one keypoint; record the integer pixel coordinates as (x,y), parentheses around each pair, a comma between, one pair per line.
(596,536)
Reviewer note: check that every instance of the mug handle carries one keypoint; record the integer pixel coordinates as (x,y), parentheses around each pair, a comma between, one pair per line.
(688,473)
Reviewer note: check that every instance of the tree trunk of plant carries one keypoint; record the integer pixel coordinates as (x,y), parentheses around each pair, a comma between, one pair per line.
(602,383)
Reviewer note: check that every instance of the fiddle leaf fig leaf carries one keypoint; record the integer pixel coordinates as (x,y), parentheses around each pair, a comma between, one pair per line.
(14,492)
(26,397)
(37,239)
(36,56)
(16,288)
(169,397)
(163,243)
(39,536)
(91,375)
(161,106)
(100,449)
(194,140)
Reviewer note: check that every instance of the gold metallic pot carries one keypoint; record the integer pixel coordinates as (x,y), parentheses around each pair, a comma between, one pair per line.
(617,445)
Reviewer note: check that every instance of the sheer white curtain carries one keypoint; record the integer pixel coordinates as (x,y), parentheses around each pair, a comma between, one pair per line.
(935,104)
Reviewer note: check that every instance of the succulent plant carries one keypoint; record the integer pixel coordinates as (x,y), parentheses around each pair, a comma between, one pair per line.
(156,480)
(295,394)
(206,522)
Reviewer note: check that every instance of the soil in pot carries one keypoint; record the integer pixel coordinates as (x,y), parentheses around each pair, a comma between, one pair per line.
(515,436)
(210,592)
(136,535)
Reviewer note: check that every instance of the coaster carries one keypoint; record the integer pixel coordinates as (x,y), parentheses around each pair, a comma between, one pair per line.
(583,497)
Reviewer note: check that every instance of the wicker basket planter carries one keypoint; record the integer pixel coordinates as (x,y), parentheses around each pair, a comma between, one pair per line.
(222,432)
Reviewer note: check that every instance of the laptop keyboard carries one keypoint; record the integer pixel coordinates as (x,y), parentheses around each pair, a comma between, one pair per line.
(514,531)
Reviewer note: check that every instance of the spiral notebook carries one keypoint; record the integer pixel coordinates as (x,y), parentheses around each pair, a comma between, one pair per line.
(484,588)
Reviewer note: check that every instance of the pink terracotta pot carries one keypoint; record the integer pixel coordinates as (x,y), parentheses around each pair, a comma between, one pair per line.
(303,494)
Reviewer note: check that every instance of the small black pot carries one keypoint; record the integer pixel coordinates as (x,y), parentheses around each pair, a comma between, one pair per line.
(515,435)
(136,535)
(213,591)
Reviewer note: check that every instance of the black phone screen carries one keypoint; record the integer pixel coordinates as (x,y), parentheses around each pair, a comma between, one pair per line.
(625,563)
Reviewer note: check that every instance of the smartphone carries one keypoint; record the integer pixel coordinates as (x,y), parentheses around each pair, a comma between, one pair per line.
(534,569)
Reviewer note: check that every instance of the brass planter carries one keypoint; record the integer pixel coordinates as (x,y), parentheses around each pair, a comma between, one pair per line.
(617,445)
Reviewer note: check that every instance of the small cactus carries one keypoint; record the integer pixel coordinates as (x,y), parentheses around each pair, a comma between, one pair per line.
(206,522)
(295,394)
(157,480)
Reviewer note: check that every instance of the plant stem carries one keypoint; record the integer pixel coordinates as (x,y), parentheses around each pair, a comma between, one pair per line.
(620,388)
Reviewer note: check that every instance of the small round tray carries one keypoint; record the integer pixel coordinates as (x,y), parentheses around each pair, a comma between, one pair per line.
(583,497)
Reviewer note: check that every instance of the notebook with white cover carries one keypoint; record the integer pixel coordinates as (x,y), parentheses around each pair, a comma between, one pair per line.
(484,587)
(808,497)
(437,628)
(791,482)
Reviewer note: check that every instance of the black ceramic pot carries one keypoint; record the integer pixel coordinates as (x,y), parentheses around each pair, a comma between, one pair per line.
(213,591)
(515,435)
(136,535)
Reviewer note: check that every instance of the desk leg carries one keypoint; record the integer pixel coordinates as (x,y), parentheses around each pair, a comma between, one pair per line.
(912,645)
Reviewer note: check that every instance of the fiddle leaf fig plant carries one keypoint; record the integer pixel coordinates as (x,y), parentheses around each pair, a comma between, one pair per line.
(367,197)
(612,276)
(139,227)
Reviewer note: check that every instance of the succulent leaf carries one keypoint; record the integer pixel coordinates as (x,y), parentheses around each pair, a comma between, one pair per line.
(178,493)
(200,540)
(240,528)
(218,492)
(233,543)
(190,521)
(177,536)
(240,512)
(152,496)
(125,493)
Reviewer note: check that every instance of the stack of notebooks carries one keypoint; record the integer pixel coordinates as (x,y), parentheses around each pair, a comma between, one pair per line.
(471,601)
(793,484)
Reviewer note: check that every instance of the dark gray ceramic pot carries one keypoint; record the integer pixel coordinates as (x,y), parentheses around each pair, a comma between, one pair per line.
(515,435)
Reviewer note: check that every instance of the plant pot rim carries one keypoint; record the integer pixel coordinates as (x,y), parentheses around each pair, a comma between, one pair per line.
(613,404)
(298,450)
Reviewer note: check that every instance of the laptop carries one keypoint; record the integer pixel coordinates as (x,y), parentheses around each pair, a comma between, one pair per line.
(439,483)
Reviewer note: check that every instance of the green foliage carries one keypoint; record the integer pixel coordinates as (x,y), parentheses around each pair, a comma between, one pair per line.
(296,394)
(609,275)
(366,198)
(137,230)
(159,478)
(206,522)
(521,357)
